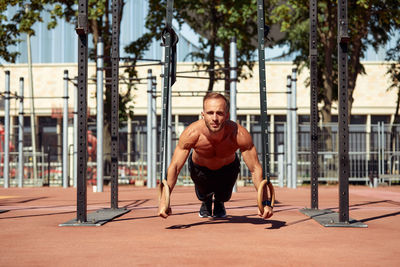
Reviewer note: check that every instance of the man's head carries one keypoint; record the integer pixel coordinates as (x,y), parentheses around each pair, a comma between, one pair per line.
(214,95)
(215,111)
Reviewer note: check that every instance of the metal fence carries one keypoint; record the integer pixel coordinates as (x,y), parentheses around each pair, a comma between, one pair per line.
(46,171)
(374,153)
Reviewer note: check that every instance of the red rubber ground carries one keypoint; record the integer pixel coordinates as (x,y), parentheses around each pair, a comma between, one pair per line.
(30,235)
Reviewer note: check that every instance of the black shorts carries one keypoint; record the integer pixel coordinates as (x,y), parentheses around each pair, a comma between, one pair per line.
(218,182)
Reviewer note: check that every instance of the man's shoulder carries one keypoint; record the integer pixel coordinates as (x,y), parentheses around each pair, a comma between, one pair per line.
(195,127)
(237,128)
(192,132)
(243,138)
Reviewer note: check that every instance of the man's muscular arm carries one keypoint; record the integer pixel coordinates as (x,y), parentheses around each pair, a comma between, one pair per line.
(249,154)
(178,160)
(250,157)
(186,142)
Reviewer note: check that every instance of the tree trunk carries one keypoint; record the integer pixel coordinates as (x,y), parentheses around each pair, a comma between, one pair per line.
(107,116)
(211,73)
(328,86)
(329,43)
(226,68)
(355,67)
(213,40)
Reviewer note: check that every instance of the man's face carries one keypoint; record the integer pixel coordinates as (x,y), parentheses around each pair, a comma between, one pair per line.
(215,114)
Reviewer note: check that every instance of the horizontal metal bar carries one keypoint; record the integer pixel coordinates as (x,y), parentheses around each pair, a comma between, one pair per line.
(207,70)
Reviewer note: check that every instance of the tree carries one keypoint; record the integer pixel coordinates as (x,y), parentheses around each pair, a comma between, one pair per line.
(99,26)
(21,22)
(371,23)
(217,21)
(393,55)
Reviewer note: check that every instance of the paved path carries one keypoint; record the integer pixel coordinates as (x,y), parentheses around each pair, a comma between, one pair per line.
(30,235)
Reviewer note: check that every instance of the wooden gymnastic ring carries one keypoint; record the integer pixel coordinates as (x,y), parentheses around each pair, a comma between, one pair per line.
(163,190)
(263,189)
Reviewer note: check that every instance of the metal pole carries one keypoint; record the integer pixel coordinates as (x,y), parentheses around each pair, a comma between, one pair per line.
(272,140)
(367,140)
(166,92)
(344,164)
(280,165)
(6,170)
(115,102)
(75,148)
(154,131)
(263,90)
(138,148)
(169,131)
(21,134)
(129,142)
(162,155)
(383,147)
(294,128)
(82,31)
(59,147)
(33,128)
(100,114)
(314,103)
(285,133)
(233,79)
(43,165)
(65,133)
(289,134)
(368,147)
(149,130)
(379,147)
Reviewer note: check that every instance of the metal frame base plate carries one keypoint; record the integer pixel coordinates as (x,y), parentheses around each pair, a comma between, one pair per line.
(329,218)
(98,218)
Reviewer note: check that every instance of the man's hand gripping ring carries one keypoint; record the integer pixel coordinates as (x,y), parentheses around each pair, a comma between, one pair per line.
(163,192)
(263,199)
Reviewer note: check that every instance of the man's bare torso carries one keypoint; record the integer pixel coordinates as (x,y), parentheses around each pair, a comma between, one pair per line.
(211,150)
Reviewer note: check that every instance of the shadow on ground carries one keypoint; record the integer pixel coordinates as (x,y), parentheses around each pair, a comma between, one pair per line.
(247,219)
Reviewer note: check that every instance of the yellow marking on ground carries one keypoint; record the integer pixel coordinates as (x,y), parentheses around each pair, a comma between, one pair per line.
(5,197)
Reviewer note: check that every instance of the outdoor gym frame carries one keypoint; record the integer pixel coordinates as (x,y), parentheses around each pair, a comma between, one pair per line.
(98,217)
(326,217)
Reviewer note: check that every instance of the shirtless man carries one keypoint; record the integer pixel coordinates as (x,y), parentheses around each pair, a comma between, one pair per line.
(213,164)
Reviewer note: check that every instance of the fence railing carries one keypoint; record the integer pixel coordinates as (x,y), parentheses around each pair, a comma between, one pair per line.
(374,153)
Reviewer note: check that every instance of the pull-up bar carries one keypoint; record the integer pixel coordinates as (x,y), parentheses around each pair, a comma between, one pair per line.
(169,39)
(102,216)
(327,217)
(266,193)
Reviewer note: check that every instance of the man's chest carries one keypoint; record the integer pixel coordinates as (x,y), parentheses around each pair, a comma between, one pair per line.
(223,148)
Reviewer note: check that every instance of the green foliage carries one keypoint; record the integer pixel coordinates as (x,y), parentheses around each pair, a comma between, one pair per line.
(8,37)
(393,55)
(21,22)
(23,19)
(371,23)
(11,28)
(217,21)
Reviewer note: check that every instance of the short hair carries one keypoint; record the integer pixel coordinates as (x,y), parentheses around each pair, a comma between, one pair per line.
(214,95)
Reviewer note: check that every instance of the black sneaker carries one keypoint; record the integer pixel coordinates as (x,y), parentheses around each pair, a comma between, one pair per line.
(219,209)
(205,209)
